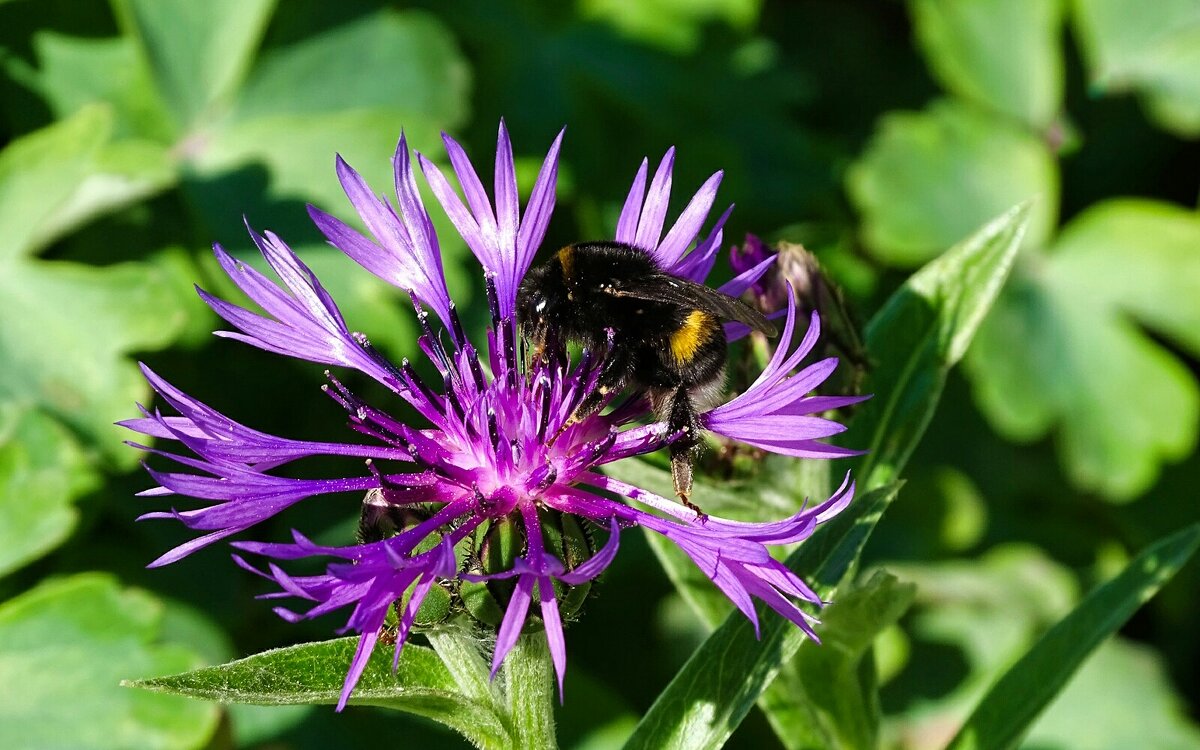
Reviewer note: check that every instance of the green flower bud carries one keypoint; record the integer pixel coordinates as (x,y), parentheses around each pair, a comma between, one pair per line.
(502,541)
(381,520)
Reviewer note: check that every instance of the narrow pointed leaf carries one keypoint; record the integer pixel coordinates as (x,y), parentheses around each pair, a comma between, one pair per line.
(923,331)
(1005,713)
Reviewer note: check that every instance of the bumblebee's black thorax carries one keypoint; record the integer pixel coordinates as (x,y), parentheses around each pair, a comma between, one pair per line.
(575,296)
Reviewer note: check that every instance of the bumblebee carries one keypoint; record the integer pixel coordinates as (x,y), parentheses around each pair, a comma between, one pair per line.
(667,334)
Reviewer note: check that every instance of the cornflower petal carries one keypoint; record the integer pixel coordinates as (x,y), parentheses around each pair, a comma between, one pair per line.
(407,254)
(631,212)
(644,215)
(687,227)
(219,438)
(654,209)
(308,324)
(774,414)
(501,240)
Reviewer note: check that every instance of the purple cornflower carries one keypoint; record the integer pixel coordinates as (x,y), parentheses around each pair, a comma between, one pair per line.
(498,443)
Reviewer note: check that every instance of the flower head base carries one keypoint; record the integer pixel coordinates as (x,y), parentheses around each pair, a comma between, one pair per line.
(500,483)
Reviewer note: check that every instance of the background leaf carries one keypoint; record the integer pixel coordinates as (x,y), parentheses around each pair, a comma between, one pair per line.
(78,320)
(49,633)
(348,90)
(1003,54)
(927,179)
(198,53)
(1065,339)
(1119,698)
(920,333)
(42,469)
(1154,49)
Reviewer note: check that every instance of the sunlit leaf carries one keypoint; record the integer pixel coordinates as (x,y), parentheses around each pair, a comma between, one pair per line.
(64,648)
(1153,48)
(1064,348)
(197,53)
(76,322)
(42,469)
(349,90)
(927,179)
(1004,54)
(427,78)
(73,72)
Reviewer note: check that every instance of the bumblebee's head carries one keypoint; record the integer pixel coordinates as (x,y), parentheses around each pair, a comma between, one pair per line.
(539,299)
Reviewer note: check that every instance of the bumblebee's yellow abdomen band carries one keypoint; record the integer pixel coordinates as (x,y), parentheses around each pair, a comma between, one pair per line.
(696,330)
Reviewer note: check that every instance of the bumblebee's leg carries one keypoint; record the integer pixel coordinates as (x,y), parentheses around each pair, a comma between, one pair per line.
(681,416)
(613,377)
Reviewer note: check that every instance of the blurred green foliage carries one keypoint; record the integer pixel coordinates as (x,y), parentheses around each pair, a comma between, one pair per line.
(137,133)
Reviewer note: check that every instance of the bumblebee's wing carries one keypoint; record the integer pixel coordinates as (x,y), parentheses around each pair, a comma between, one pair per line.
(674,290)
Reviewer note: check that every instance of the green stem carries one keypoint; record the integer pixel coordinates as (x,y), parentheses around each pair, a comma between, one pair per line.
(459,651)
(529,685)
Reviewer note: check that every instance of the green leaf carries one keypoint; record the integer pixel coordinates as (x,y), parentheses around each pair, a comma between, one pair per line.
(125,172)
(76,71)
(1153,48)
(919,334)
(426,78)
(825,699)
(348,90)
(41,172)
(675,25)
(927,179)
(1012,704)
(1121,697)
(1003,54)
(65,646)
(54,179)
(1064,338)
(71,362)
(313,673)
(42,469)
(721,681)
(978,616)
(197,53)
